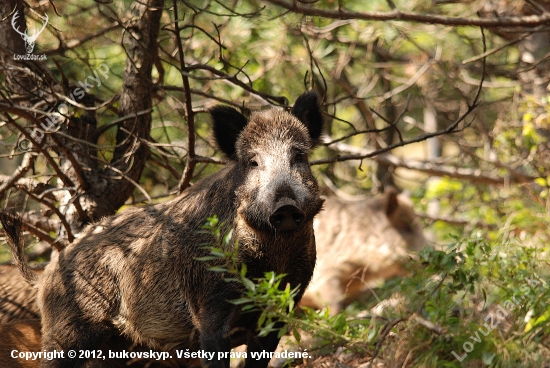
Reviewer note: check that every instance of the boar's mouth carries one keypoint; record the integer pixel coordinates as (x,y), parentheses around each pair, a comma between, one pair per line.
(287,216)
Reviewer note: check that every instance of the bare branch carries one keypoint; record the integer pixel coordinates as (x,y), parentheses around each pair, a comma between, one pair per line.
(500,47)
(429,325)
(430,168)
(457,221)
(41,222)
(56,210)
(83,185)
(29,184)
(58,244)
(385,331)
(396,15)
(134,183)
(210,160)
(421,138)
(473,175)
(411,81)
(280,100)
(71,44)
(450,129)
(28,162)
(190,163)
(66,181)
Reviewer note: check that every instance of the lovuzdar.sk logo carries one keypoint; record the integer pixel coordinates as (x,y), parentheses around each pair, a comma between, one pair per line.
(29,40)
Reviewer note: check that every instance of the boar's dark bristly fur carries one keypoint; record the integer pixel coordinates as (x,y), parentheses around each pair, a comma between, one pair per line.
(137,274)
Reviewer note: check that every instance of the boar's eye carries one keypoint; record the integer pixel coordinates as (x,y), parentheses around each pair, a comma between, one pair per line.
(253,163)
(300,157)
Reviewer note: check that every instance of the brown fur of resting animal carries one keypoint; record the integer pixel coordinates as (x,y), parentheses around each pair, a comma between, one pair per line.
(138,274)
(17,297)
(23,336)
(358,243)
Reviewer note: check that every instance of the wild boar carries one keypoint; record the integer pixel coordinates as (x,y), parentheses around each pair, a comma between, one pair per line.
(17,297)
(358,243)
(137,273)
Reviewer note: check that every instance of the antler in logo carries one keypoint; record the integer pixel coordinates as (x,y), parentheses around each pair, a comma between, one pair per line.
(29,40)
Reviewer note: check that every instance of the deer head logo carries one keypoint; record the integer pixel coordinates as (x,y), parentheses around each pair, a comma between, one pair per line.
(29,40)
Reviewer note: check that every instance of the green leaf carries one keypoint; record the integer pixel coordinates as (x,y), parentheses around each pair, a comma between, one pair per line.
(206,258)
(282,331)
(248,284)
(227,237)
(262,318)
(241,301)
(296,335)
(373,332)
(488,358)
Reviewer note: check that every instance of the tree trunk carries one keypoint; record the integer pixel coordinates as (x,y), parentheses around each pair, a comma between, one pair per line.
(90,191)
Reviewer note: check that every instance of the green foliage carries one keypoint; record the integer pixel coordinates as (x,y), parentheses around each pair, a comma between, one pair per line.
(276,301)
(487,299)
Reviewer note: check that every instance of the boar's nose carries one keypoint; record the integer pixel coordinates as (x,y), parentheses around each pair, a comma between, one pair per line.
(286,215)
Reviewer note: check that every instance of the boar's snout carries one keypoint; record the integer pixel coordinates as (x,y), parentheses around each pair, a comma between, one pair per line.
(287,216)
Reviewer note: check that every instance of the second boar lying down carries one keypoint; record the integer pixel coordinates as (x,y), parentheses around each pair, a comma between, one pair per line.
(359,242)
(137,273)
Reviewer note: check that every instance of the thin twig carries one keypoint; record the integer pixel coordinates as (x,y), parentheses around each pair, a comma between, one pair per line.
(66,181)
(429,325)
(190,163)
(58,244)
(331,141)
(279,100)
(82,183)
(498,48)
(139,187)
(71,44)
(62,218)
(453,128)
(26,165)
(386,330)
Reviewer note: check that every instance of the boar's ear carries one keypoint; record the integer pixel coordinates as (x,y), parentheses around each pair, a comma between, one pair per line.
(228,124)
(391,201)
(308,111)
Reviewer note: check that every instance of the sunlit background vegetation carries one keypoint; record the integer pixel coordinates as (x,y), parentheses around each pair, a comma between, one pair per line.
(481,189)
